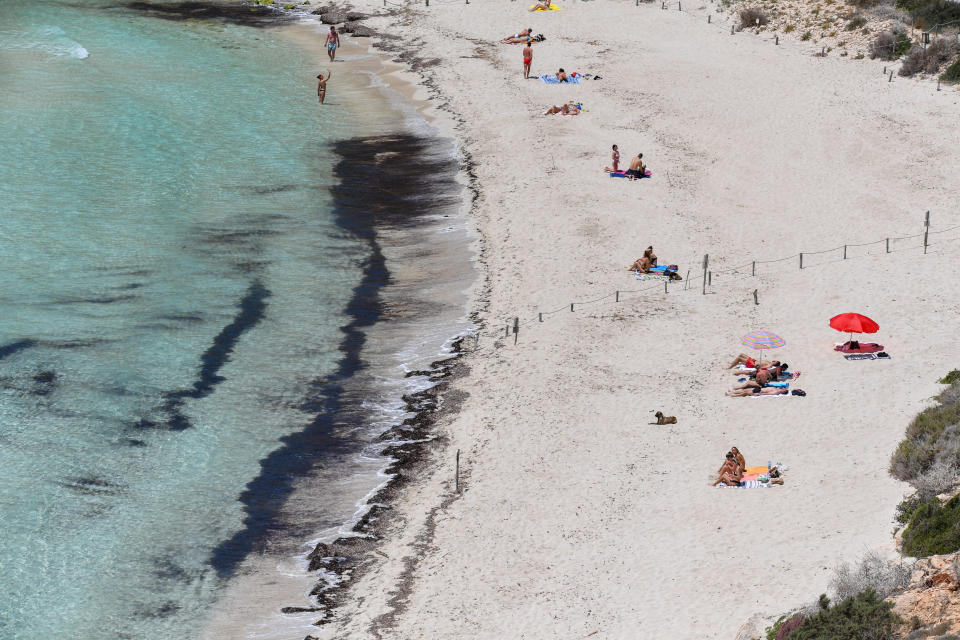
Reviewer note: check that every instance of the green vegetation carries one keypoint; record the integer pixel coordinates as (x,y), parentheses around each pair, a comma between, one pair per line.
(751,16)
(806,36)
(865,615)
(930,13)
(952,74)
(906,508)
(932,437)
(951,377)
(933,528)
(788,28)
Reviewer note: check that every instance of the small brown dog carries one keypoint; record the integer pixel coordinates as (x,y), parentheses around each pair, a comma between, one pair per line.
(662,419)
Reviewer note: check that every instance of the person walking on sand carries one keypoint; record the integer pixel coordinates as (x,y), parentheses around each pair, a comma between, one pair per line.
(322,85)
(527,59)
(333,41)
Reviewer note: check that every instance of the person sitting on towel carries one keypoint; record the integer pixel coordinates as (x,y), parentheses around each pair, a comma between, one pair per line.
(757,391)
(636,169)
(730,472)
(562,76)
(738,457)
(645,263)
(764,377)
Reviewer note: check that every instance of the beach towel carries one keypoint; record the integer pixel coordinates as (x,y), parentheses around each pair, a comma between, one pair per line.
(749,484)
(551,78)
(553,7)
(755,470)
(779,385)
(860,356)
(623,174)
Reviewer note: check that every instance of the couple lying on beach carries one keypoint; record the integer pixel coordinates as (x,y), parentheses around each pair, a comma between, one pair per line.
(567,109)
(768,373)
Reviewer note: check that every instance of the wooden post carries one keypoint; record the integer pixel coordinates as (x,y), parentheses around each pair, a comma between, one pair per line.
(571,306)
(706,261)
(753,268)
(755,299)
(507,332)
(617,299)
(926,231)
(665,286)
(888,245)
(710,278)
(844,252)
(938,84)
(731,29)
(457,475)
(776,40)
(708,16)
(541,316)
(679,6)
(801,260)
(890,79)
(516,329)
(686,283)
(823,52)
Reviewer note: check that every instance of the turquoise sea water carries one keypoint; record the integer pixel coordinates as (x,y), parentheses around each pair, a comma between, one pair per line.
(172,283)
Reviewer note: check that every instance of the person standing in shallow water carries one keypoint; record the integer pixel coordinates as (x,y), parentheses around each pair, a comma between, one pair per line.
(322,85)
(333,41)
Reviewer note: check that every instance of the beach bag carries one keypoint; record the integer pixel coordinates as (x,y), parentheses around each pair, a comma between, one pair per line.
(798,392)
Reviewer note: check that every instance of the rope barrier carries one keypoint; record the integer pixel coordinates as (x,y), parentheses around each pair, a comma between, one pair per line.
(512,323)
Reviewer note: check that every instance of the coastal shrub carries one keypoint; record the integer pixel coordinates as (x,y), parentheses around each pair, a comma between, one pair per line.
(952,74)
(890,45)
(864,616)
(951,377)
(784,626)
(856,22)
(929,59)
(932,437)
(788,28)
(873,571)
(806,36)
(930,13)
(907,506)
(750,15)
(933,529)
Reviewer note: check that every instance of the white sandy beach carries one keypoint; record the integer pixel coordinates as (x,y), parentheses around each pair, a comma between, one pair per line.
(579,518)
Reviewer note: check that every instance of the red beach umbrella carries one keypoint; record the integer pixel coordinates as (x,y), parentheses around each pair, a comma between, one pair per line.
(854,323)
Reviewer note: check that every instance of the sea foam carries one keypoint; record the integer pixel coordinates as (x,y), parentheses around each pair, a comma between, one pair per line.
(48,39)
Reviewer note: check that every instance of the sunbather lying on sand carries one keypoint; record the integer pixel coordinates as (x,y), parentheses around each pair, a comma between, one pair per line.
(524,37)
(757,391)
(750,363)
(568,109)
(730,472)
(541,4)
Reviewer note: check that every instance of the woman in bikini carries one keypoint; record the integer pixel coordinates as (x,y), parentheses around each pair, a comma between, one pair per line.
(730,472)
(322,85)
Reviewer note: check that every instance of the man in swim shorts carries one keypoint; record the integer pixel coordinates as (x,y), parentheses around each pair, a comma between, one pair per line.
(333,41)
(636,170)
(527,59)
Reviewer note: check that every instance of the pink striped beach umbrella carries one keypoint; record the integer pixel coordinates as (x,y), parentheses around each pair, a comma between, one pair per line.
(762,340)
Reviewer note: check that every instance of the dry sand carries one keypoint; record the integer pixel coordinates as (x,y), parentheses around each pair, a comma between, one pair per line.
(578,517)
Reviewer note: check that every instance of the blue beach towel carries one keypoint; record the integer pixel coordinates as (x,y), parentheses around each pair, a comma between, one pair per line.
(552,79)
(622,174)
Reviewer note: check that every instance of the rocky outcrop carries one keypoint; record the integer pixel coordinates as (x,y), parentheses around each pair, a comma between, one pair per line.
(931,604)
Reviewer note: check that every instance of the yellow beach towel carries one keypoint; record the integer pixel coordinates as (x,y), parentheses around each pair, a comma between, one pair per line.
(553,7)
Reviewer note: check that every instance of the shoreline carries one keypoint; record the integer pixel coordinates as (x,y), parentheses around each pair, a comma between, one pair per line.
(404,445)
